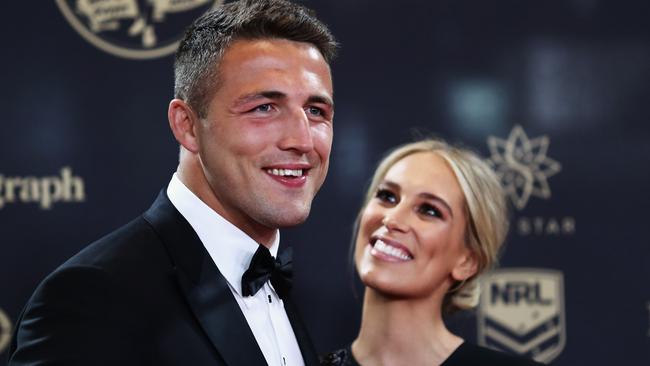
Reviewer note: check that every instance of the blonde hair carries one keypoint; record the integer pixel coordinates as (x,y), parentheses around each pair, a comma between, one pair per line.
(485,210)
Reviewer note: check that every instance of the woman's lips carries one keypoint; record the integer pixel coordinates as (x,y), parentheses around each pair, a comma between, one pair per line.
(390,250)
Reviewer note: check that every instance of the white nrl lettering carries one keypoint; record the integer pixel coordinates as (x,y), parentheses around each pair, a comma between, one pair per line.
(44,190)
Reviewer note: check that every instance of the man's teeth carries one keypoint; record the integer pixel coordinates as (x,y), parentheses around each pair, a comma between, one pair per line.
(285,172)
(390,250)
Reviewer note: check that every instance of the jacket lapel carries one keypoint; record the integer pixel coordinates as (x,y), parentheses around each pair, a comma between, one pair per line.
(309,354)
(204,288)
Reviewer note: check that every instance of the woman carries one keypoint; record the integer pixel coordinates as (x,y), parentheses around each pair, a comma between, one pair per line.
(433,220)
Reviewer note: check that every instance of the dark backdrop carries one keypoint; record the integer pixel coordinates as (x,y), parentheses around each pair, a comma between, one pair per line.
(564,84)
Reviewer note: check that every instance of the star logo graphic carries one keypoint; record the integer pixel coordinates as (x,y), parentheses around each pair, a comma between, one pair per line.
(522,165)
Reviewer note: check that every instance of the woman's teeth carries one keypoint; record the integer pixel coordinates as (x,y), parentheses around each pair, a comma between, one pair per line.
(384,248)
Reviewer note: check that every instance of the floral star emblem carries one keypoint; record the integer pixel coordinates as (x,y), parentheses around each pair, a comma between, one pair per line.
(522,165)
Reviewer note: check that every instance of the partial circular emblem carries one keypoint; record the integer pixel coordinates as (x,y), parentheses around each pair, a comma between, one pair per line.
(135,29)
(5,331)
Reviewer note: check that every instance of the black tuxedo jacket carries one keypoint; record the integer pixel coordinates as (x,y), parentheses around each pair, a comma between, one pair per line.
(146,294)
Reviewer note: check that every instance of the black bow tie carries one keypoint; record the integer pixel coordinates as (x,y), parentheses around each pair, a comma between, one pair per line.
(263,268)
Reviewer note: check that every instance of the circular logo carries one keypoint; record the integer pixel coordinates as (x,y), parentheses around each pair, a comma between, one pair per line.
(135,29)
(5,330)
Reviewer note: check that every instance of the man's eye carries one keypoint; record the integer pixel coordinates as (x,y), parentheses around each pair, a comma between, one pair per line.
(315,111)
(385,195)
(262,108)
(429,210)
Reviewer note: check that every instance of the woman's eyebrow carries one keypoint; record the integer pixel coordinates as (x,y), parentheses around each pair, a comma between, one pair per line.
(433,197)
(390,184)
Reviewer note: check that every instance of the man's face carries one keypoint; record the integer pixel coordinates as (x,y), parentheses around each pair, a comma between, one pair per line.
(264,145)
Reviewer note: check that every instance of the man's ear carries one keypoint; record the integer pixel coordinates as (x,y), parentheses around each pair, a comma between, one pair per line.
(182,121)
(466,266)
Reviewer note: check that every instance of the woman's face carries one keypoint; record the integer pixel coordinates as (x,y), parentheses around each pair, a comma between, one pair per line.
(411,234)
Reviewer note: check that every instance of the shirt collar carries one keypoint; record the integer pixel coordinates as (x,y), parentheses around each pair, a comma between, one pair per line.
(230,248)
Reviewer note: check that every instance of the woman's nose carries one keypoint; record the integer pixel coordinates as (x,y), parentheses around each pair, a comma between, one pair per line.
(394,222)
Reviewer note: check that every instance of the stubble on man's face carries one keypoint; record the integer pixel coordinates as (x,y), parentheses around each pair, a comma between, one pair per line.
(264,145)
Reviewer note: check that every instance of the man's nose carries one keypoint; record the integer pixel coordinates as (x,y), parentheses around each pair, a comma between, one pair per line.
(297,134)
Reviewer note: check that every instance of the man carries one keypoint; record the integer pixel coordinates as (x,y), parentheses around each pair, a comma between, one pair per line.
(253,116)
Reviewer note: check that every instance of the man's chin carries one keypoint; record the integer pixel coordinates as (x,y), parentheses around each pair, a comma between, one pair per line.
(282,212)
(292,221)
(285,218)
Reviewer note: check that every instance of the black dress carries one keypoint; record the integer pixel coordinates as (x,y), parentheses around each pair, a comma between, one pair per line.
(465,355)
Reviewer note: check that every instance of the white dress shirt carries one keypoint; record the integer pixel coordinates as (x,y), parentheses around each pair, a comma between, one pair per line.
(232,251)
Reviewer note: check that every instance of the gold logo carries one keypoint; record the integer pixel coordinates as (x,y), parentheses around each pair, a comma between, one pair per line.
(45,191)
(522,311)
(5,330)
(522,165)
(134,29)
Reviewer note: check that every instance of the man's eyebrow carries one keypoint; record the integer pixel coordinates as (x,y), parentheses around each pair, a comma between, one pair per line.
(321,99)
(275,95)
(264,94)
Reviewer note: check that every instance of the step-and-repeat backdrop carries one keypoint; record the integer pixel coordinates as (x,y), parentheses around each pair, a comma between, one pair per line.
(556,94)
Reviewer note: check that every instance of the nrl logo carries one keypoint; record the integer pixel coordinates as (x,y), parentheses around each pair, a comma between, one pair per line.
(5,330)
(522,165)
(135,29)
(522,311)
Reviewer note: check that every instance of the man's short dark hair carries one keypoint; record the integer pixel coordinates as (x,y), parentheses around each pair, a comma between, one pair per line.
(206,40)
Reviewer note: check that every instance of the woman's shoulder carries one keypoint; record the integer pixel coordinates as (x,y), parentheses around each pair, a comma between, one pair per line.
(341,357)
(471,354)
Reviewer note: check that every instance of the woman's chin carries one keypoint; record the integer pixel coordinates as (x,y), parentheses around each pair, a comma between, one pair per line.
(384,284)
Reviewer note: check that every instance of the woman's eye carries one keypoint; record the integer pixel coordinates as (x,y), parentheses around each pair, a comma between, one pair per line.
(385,195)
(429,210)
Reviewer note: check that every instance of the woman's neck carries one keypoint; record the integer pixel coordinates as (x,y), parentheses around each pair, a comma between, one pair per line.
(402,332)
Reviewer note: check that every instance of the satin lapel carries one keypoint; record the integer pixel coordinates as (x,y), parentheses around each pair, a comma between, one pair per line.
(304,341)
(220,316)
(204,288)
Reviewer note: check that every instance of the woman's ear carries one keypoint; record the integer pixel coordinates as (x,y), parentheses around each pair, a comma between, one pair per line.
(182,121)
(466,266)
